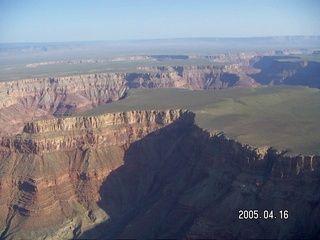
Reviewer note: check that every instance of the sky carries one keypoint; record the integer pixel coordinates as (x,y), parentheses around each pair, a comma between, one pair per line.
(89,20)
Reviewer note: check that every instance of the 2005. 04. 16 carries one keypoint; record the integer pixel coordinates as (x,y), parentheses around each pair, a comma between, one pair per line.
(266,214)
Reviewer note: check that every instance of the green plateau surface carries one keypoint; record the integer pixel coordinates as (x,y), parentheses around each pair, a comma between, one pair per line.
(284,117)
(16,71)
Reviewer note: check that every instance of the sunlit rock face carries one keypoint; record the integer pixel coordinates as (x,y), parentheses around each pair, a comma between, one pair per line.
(149,174)
(33,99)
(146,174)
(52,172)
(42,98)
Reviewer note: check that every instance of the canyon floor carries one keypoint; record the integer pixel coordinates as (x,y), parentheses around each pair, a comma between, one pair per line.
(170,143)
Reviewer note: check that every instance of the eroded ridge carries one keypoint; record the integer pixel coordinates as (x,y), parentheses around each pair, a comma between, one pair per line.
(51,173)
(42,98)
(119,129)
(62,177)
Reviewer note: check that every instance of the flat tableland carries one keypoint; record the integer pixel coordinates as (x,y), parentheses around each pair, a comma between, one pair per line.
(284,117)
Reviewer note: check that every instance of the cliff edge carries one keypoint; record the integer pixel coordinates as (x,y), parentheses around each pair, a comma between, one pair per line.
(42,98)
(150,174)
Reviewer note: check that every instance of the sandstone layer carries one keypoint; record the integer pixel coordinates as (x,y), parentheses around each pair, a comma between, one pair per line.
(32,99)
(51,173)
(146,174)
(192,186)
(42,98)
(149,174)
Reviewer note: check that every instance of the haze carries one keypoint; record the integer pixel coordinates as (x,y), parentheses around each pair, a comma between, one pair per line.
(63,21)
(159,119)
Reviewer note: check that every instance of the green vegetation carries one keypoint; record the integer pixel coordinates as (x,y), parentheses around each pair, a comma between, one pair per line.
(285,117)
(16,71)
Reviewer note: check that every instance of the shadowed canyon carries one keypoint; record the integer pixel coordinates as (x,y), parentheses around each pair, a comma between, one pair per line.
(158,174)
(138,174)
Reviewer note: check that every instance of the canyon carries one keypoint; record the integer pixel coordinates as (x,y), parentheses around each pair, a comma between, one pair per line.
(32,99)
(51,174)
(149,174)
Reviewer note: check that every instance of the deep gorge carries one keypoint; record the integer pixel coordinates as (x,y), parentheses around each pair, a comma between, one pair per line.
(160,177)
(145,174)
(42,98)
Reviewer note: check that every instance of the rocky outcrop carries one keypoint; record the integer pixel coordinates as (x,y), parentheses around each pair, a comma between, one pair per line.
(33,99)
(149,174)
(191,77)
(48,93)
(119,129)
(51,173)
(192,185)
(282,70)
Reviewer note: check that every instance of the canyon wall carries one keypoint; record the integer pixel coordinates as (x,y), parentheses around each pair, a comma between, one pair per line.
(192,186)
(149,174)
(119,129)
(33,99)
(145,174)
(51,173)
(277,70)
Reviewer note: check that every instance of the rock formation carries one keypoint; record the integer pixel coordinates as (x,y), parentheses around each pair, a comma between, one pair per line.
(70,133)
(149,174)
(276,72)
(193,186)
(33,99)
(146,174)
(51,173)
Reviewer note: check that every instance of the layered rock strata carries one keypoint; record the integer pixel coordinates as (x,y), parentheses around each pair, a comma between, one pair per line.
(51,173)
(277,70)
(193,186)
(61,134)
(32,99)
(150,174)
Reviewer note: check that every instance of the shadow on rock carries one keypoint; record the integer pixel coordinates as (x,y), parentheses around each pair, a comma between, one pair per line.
(180,183)
(140,195)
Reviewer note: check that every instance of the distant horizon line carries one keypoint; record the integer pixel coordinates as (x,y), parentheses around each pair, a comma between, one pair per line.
(168,39)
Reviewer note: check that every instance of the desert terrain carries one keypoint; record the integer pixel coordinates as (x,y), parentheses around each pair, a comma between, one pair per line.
(160,139)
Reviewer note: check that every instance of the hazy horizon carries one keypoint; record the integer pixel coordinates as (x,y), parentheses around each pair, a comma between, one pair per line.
(123,20)
(275,38)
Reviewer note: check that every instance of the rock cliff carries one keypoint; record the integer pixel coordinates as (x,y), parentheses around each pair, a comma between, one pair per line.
(198,77)
(193,186)
(33,99)
(118,129)
(149,174)
(51,173)
(288,71)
